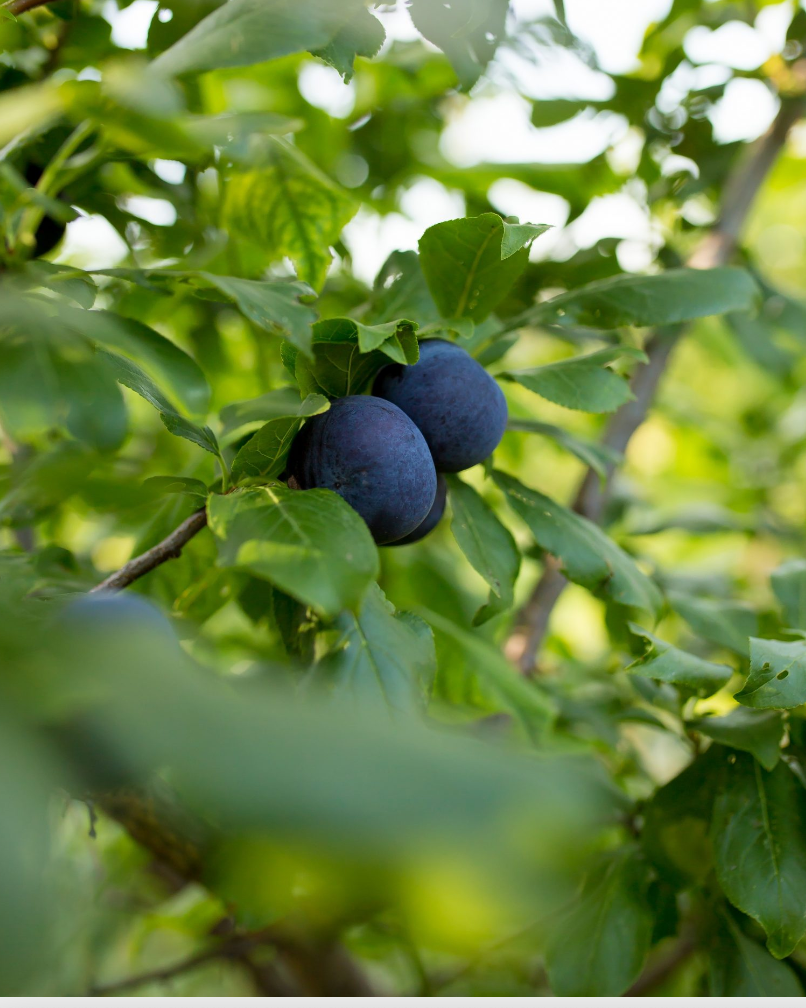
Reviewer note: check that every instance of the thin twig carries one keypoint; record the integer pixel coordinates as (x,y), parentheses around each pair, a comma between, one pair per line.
(663,968)
(268,979)
(169,549)
(159,975)
(716,249)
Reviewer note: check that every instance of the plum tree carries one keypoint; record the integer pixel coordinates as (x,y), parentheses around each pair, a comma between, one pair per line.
(432,519)
(370,453)
(457,405)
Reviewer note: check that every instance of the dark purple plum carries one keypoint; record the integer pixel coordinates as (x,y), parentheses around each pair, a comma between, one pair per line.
(433,517)
(459,408)
(371,454)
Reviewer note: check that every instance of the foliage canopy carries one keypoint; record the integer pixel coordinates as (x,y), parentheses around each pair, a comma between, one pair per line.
(316,766)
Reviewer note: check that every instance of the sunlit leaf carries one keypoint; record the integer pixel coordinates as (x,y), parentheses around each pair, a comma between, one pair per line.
(471,263)
(291,208)
(677,295)
(777,674)
(670,664)
(582,383)
(253,31)
(310,543)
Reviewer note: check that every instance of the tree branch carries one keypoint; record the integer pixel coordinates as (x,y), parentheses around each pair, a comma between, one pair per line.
(716,249)
(169,549)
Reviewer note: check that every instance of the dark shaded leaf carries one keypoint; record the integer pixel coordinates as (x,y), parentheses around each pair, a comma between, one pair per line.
(758,734)
(598,948)
(759,838)
(487,544)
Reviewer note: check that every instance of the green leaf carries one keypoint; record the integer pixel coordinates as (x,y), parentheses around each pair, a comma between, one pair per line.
(467,31)
(263,456)
(582,383)
(290,208)
(759,838)
(27,780)
(598,948)
(471,263)
(551,111)
(669,664)
(52,379)
(242,32)
(94,409)
(677,820)
(274,305)
(789,584)
(201,436)
(487,544)
(382,658)
(758,734)
(740,967)
(677,295)
(239,418)
(361,35)
(170,367)
(599,457)
(193,488)
(339,783)
(309,543)
(777,675)
(340,367)
(400,291)
(133,377)
(726,623)
(588,556)
(68,281)
(516,694)
(394,339)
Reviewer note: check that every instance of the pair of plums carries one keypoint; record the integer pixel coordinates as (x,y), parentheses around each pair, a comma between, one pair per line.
(384,453)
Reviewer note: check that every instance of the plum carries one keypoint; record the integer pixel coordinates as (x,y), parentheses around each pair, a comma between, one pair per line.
(371,454)
(433,517)
(459,408)
(125,612)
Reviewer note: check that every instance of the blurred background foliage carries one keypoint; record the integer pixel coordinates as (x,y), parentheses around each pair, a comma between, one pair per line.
(337,851)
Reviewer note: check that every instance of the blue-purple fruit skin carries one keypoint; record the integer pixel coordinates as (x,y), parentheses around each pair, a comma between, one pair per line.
(371,454)
(433,517)
(458,406)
